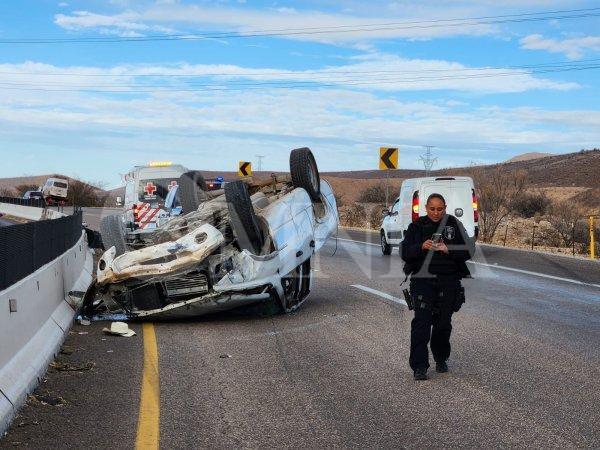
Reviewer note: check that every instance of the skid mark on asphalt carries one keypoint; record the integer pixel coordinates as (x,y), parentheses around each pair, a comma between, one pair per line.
(149,415)
(380,294)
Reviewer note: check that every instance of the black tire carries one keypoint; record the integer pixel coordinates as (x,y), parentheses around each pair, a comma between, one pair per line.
(305,173)
(386,248)
(112,231)
(192,191)
(243,218)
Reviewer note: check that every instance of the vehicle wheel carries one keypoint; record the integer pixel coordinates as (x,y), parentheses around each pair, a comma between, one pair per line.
(386,248)
(192,191)
(113,233)
(305,173)
(242,217)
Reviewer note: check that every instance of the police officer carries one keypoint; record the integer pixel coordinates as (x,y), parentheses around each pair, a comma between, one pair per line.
(436,265)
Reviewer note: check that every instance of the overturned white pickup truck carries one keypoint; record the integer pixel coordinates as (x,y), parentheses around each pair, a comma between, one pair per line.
(253,244)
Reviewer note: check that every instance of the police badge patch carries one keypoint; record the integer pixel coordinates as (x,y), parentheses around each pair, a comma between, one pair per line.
(449,233)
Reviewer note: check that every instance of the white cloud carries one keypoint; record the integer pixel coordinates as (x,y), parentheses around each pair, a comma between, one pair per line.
(573,48)
(368,72)
(202,18)
(341,124)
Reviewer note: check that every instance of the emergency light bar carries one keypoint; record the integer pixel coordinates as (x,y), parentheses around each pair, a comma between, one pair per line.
(160,163)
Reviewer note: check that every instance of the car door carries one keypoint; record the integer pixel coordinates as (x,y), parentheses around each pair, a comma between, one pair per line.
(394,234)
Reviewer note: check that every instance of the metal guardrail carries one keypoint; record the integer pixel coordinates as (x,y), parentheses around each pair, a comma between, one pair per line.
(26,247)
(35,202)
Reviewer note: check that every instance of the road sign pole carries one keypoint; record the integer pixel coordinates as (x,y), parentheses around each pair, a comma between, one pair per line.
(387,189)
(592,239)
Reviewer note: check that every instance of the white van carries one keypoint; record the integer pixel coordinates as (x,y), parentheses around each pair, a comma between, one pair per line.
(55,190)
(461,202)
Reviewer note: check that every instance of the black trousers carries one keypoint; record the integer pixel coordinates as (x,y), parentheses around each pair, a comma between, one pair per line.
(434,302)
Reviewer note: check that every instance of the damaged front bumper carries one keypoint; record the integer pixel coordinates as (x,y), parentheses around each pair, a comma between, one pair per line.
(157,282)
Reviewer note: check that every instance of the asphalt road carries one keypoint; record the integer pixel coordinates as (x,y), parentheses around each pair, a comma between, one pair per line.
(524,371)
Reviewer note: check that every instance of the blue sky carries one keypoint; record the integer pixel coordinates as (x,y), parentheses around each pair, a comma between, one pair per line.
(351,78)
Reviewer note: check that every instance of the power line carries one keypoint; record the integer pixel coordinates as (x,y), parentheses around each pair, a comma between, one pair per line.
(276,73)
(273,84)
(390,26)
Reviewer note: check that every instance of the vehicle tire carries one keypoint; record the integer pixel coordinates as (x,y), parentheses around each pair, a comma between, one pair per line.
(243,218)
(304,171)
(112,231)
(386,248)
(192,191)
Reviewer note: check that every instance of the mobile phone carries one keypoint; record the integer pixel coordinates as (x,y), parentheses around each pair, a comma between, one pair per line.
(436,238)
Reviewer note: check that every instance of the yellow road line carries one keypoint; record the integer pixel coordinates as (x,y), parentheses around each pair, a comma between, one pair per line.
(149,416)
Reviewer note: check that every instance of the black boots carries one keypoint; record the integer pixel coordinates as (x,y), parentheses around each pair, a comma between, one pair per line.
(441,367)
(420,374)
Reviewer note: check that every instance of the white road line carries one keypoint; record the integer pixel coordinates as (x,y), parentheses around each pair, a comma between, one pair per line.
(380,294)
(359,242)
(537,274)
(495,266)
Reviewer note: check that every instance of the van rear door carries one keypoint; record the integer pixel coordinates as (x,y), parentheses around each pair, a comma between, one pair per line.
(459,199)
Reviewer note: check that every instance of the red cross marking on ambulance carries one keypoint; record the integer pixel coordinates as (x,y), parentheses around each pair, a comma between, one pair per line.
(150,189)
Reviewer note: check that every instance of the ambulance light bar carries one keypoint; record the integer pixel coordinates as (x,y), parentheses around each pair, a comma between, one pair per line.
(160,163)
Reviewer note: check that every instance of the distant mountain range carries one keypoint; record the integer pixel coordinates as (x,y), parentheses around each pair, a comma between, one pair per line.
(581,169)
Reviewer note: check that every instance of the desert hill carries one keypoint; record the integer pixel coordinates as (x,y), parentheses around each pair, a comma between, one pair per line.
(528,156)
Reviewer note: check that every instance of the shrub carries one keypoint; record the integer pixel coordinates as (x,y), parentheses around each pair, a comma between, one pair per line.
(354,216)
(372,194)
(531,204)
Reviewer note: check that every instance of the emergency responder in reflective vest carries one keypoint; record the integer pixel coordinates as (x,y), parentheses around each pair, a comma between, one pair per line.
(434,250)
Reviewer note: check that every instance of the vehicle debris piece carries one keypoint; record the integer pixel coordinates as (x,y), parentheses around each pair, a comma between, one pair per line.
(253,244)
(68,367)
(47,399)
(119,329)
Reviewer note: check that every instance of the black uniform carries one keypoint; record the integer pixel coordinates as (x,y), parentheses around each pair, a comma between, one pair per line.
(435,285)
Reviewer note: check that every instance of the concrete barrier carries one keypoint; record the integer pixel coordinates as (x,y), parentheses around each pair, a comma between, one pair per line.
(35,316)
(29,212)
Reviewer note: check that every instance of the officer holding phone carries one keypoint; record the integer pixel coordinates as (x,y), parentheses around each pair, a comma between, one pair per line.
(435,249)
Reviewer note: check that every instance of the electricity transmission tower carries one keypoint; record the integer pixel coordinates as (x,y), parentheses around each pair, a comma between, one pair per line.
(259,164)
(428,159)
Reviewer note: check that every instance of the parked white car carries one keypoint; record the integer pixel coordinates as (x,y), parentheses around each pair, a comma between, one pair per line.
(461,202)
(55,190)
(236,249)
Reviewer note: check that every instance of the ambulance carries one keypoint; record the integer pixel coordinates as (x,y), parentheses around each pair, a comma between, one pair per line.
(146,190)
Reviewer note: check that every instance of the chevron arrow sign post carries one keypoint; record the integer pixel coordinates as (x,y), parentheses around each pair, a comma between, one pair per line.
(245,169)
(388,158)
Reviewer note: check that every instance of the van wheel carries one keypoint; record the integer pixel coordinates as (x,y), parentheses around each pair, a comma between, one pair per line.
(304,171)
(243,218)
(112,232)
(192,191)
(386,248)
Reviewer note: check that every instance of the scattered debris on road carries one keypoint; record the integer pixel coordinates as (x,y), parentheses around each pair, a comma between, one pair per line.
(68,367)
